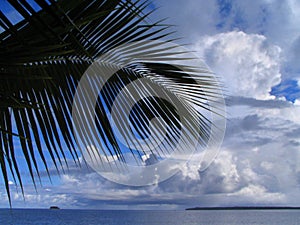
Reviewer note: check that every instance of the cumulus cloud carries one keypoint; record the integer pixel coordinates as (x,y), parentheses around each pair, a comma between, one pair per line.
(248,64)
(275,21)
(258,164)
(297,102)
(253,174)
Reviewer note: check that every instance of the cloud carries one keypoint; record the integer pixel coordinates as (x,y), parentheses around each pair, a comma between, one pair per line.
(255,103)
(297,102)
(258,194)
(40,198)
(293,57)
(258,164)
(222,176)
(277,21)
(247,63)
(274,18)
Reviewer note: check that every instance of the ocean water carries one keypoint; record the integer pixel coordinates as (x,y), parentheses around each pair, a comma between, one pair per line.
(107,217)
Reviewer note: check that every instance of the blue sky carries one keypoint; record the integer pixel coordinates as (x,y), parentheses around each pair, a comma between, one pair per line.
(254,47)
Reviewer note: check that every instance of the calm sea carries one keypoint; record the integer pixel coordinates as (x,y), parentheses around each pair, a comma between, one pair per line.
(106,217)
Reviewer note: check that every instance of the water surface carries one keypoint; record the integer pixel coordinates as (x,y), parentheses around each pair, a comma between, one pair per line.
(124,217)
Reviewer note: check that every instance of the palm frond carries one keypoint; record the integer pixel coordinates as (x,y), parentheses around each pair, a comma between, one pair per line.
(42,59)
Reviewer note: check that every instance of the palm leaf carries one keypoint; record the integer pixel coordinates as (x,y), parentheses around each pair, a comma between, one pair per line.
(42,59)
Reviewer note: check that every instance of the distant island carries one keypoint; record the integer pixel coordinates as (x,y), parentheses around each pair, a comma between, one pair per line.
(54,207)
(245,208)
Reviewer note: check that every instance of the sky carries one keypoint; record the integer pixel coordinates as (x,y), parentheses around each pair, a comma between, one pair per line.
(253,46)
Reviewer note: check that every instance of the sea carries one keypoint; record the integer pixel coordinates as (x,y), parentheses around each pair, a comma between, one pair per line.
(130,217)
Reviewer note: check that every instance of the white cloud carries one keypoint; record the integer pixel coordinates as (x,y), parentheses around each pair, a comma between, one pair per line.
(258,164)
(277,20)
(40,198)
(247,63)
(297,102)
(222,176)
(286,114)
(259,194)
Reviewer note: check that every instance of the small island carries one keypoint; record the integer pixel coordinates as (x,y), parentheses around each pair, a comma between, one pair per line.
(54,207)
(246,208)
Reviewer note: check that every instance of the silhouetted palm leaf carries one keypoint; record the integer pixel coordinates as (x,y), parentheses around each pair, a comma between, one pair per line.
(43,57)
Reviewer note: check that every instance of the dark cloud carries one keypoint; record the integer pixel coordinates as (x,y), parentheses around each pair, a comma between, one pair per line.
(295,133)
(251,102)
(246,130)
